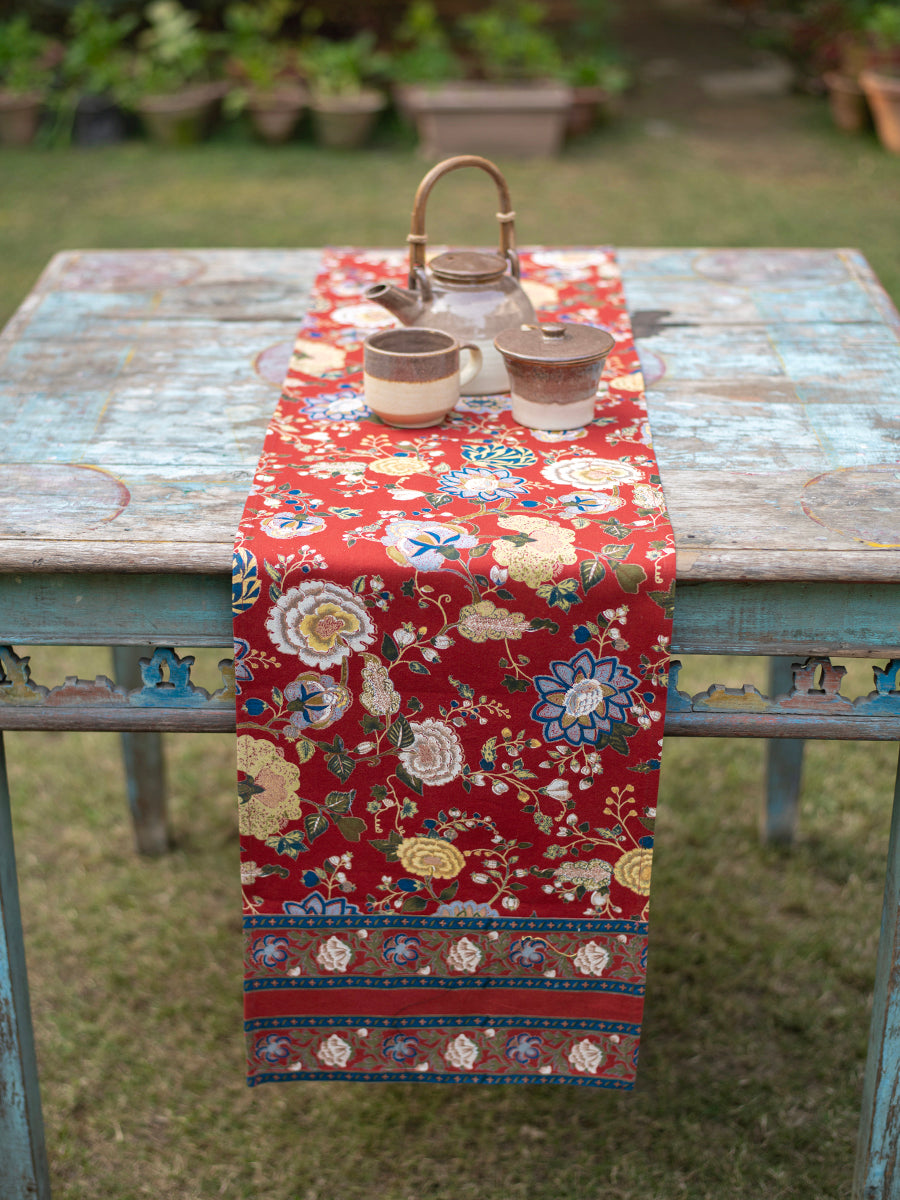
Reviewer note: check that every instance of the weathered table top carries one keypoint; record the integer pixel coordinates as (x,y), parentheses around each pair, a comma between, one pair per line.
(136,386)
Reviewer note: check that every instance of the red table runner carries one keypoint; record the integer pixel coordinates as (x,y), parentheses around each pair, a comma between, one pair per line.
(451,649)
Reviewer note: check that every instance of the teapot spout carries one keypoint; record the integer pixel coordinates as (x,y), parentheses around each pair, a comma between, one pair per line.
(406,305)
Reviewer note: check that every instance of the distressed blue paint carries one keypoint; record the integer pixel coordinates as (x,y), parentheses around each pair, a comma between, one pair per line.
(877,1174)
(23,1159)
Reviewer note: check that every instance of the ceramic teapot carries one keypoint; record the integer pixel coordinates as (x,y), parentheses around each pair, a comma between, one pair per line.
(467,293)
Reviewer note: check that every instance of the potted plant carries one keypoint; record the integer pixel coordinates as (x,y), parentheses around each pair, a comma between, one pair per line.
(513,103)
(265,69)
(27,60)
(171,86)
(94,74)
(340,74)
(423,57)
(597,82)
(881,80)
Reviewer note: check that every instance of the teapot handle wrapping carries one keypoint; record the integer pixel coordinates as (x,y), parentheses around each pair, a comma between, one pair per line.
(417,237)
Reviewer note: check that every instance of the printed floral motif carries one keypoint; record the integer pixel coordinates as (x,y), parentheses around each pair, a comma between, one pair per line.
(538,555)
(320,622)
(633,870)
(378,695)
(316,701)
(269,792)
(425,545)
(334,955)
(462,1053)
(335,1052)
(464,955)
(586,1056)
(484,622)
(591,959)
(451,648)
(436,755)
(583,698)
(592,474)
(482,484)
(524,1048)
(430,857)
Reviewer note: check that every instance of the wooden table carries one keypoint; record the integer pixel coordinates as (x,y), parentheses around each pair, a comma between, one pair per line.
(135,389)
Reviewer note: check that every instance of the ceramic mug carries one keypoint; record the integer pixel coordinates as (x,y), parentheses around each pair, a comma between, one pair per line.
(412,375)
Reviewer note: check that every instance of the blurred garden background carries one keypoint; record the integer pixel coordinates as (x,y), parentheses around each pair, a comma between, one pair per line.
(711,124)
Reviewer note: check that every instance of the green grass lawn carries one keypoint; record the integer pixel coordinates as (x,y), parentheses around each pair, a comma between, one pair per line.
(761,961)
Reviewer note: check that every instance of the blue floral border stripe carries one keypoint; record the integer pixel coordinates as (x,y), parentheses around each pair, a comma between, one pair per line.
(480,982)
(618,1085)
(575,1024)
(401,921)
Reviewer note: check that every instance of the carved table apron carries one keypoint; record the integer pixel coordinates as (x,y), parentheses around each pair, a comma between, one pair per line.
(135,389)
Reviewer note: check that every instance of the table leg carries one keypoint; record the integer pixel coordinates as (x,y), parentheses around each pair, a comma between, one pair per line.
(784,766)
(23,1157)
(145,774)
(877,1174)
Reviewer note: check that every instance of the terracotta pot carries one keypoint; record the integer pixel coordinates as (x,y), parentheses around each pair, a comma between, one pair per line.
(883,95)
(183,118)
(98,121)
(345,122)
(583,113)
(274,115)
(847,102)
(522,120)
(20,116)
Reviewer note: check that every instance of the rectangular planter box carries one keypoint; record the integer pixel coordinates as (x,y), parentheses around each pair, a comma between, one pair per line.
(520,120)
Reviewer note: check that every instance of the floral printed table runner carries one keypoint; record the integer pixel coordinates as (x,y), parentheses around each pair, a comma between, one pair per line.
(451,653)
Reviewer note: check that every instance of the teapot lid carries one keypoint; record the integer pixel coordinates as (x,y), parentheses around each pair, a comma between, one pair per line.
(555,342)
(467,266)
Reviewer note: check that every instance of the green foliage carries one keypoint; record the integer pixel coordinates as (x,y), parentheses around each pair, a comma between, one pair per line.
(26,57)
(883,23)
(343,68)
(256,55)
(597,70)
(509,42)
(173,52)
(425,53)
(96,60)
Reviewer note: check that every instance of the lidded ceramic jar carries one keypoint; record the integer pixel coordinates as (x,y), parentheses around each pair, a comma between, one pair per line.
(554,371)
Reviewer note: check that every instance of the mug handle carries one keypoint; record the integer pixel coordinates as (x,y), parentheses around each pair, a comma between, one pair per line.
(466,374)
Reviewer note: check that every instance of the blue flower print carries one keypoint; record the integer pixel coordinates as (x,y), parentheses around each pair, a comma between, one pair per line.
(495,454)
(426,545)
(528,952)
(316,905)
(269,951)
(245,586)
(583,699)
(401,949)
(274,1048)
(400,1047)
(242,673)
(482,484)
(345,404)
(316,701)
(524,1048)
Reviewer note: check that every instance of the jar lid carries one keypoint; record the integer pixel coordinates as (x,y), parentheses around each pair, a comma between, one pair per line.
(555,342)
(467,266)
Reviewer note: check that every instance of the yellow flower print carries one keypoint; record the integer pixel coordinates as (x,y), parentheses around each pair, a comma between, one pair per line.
(274,800)
(430,857)
(550,547)
(633,870)
(484,622)
(400,464)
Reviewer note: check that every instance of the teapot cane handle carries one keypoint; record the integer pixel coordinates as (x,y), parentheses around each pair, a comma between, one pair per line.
(418,239)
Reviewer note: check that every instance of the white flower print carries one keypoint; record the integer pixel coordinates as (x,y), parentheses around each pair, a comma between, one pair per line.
(586,1056)
(464,955)
(334,1052)
(591,474)
(334,955)
(436,755)
(462,1053)
(591,959)
(320,622)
